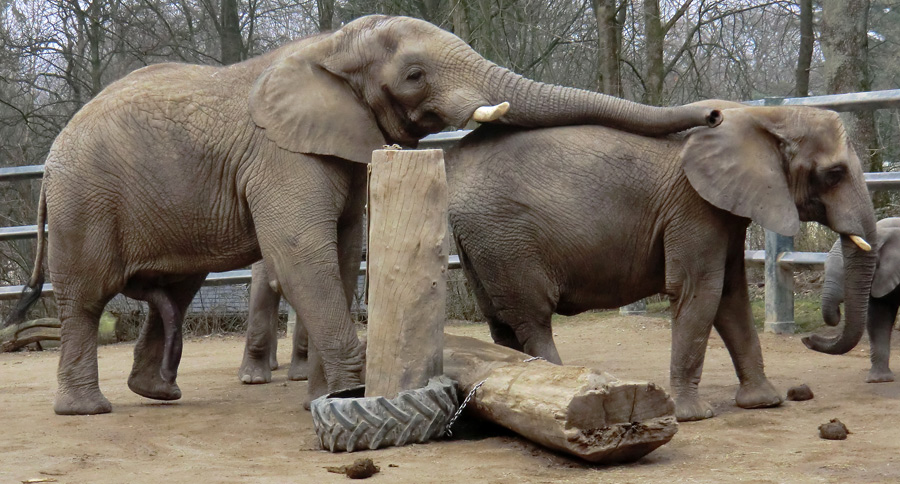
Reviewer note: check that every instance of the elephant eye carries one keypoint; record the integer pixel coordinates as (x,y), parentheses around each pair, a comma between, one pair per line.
(834,175)
(415,75)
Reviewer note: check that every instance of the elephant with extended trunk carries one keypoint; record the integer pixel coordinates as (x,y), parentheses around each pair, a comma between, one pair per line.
(176,171)
(562,220)
(884,301)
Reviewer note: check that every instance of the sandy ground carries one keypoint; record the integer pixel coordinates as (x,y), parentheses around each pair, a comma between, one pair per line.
(224,432)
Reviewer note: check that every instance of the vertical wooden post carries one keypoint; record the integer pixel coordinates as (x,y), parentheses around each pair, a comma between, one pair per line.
(407,264)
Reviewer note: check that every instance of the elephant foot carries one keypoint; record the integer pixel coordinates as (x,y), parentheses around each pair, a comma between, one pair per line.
(299,370)
(758,395)
(880,376)
(688,409)
(81,402)
(151,385)
(273,362)
(255,370)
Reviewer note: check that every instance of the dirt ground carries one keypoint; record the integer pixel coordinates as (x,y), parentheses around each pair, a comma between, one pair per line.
(225,432)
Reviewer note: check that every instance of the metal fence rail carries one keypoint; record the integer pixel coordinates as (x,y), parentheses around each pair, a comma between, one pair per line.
(779,259)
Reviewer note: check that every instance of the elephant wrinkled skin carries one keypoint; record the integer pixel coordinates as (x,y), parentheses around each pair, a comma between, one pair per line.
(179,170)
(884,301)
(574,218)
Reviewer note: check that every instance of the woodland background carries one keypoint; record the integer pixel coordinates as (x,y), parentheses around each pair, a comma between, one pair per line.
(55,55)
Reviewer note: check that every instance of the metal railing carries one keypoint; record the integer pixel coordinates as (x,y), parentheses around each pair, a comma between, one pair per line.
(779,258)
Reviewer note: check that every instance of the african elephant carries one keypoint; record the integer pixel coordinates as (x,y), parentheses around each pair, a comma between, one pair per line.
(884,301)
(176,171)
(568,219)
(562,220)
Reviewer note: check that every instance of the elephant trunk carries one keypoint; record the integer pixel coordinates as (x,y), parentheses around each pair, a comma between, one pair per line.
(859,268)
(534,104)
(833,288)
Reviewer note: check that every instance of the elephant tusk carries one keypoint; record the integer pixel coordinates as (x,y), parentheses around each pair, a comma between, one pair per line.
(486,114)
(861,243)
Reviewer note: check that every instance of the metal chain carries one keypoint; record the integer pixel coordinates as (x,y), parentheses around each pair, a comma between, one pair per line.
(533,358)
(447,431)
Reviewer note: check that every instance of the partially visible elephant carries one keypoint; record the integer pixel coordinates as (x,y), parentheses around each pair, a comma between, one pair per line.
(574,218)
(262,335)
(179,170)
(884,301)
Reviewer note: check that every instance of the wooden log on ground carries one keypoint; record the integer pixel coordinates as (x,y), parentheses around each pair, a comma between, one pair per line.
(407,264)
(577,410)
(36,330)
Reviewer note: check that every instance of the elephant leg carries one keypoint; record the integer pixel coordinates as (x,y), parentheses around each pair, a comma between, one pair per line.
(532,328)
(734,323)
(501,333)
(262,324)
(296,220)
(157,352)
(349,232)
(300,351)
(694,285)
(79,392)
(880,324)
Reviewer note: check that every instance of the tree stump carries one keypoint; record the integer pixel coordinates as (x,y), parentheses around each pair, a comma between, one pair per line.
(407,264)
(577,410)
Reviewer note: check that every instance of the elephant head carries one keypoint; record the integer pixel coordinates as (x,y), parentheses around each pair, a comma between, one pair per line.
(887,270)
(385,79)
(783,165)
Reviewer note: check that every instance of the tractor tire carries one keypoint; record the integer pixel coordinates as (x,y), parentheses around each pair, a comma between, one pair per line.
(348,421)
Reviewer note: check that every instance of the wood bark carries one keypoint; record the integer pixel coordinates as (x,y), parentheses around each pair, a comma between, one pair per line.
(407,265)
(230,33)
(36,330)
(325,9)
(844,41)
(804,54)
(655,33)
(609,38)
(577,410)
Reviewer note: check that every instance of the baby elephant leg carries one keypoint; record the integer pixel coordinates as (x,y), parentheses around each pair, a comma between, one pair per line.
(880,324)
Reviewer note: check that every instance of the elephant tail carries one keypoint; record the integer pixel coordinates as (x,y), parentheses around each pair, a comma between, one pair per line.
(32,292)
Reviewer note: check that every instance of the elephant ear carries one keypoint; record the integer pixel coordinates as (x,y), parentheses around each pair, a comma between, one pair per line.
(739,166)
(887,274)
(305,108)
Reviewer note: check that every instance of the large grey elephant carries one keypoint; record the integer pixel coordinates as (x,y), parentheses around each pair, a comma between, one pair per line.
(178,170)
(884,301)
(562,220)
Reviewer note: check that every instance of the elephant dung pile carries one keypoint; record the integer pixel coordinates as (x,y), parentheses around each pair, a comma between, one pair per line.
(572,409)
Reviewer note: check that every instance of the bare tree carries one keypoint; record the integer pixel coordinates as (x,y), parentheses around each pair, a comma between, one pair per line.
(844,40)
(610,15)
(804,55)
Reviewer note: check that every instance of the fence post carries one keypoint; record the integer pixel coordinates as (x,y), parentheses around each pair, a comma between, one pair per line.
(779,285)
(779,280)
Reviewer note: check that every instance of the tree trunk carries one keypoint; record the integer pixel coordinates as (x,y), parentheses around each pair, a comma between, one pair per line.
(573,409)
(807,39)
(407,265)
(325,9)
(844,41)
(608,47)
(654,70)
(230,33)
(460,18)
